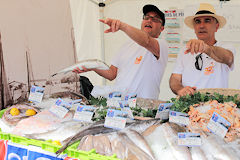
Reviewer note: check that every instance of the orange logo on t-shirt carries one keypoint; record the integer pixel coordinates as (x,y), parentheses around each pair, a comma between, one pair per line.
(209,70)
(138,60)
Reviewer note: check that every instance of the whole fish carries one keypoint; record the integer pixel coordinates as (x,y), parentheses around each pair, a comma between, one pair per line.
(197,154)
(170,131)
(140,141)
(98,128)
(154,135)
(94,130)
(214,148)
(118,146)
(42,122)
(133,148)
(89,64)
(163,142)
(100,143)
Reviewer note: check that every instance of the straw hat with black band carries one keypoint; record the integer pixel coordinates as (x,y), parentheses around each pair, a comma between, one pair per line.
(205,9)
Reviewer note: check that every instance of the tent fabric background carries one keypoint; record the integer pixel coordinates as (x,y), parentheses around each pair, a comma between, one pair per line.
(49,31)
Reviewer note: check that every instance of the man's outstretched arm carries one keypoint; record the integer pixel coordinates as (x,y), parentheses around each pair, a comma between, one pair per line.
(139,36)
(109,74)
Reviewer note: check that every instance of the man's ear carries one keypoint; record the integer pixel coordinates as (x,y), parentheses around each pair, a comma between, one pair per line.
(162,28)
(217,26)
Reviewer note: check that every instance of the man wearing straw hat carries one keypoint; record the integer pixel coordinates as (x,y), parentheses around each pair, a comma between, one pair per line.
(205,62)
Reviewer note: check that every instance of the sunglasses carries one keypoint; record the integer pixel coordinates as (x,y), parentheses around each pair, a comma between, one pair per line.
(199,62)
(154,19)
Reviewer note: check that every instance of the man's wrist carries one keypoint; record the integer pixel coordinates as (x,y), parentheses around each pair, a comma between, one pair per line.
(179,90)
(208,50)
(123,26)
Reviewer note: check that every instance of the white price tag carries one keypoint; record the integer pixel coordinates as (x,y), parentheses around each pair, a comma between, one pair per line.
(84,113)
(131,99)
(125,108)
(189,139)
(60,108)
(115,119)
(163,111)
(36,94)
(113,103)
(179,118)
(113,99)
(218,125)
(115,95)
(77,101)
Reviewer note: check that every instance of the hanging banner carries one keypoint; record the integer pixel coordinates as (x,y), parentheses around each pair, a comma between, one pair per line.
(173,30)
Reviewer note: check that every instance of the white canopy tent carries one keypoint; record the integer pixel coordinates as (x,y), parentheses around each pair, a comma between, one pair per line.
(48,32)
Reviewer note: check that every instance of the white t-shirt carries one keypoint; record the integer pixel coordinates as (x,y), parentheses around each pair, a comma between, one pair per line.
(139,71)
(212,75)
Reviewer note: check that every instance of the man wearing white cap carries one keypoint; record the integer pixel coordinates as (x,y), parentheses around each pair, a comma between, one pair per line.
(205,62)
(139,65)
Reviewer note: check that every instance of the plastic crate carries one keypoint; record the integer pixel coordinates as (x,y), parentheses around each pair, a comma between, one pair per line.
(34,142)
(2,112)
(4,136)
(73,152)
(19,139)
(48,146)
(87,155)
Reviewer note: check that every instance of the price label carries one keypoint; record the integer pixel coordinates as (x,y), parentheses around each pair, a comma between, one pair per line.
(84,113)
(123,104)
(115,95)
(163,111)
(189,139)
(113,99)
(131,99)
(125,108)
(179,118)
(77,101)
(218,125)
(60,108)
(36,94)
(115,119)
(113,103)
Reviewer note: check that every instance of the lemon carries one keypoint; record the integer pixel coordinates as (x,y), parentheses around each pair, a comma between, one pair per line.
(30,112)
(57,142)
(14,112)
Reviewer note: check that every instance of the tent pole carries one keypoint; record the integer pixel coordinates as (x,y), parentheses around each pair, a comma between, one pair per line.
(101,16)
